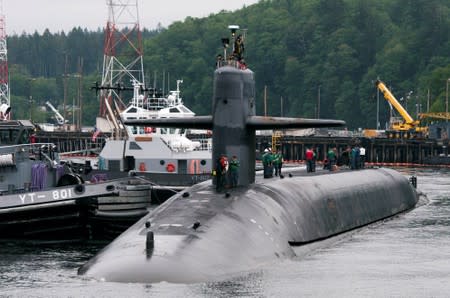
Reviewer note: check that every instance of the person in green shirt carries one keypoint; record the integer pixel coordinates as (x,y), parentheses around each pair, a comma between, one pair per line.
(267,163)
(331,156)
(234,171)
(278,162)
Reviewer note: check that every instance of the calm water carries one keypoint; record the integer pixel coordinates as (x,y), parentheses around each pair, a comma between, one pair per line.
(407,256)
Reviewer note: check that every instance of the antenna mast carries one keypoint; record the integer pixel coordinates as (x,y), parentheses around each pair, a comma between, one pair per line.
(122,54)
(4,79)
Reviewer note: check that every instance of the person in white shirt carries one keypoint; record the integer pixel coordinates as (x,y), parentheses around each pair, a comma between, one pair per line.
(362,155)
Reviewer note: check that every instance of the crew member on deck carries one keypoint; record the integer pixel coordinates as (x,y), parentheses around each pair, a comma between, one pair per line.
(362,155)
(221,172)
(219,61)
(278,162)
(239,48)
(267,163)
(332,158)
(309,156)
(234,171)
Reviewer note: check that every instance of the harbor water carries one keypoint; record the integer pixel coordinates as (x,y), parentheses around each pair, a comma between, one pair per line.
(405,256)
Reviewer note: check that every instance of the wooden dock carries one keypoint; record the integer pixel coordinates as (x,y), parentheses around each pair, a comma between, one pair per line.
(378,150)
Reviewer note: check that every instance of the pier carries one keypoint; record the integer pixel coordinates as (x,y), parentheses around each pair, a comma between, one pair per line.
(378,150)
(72,141)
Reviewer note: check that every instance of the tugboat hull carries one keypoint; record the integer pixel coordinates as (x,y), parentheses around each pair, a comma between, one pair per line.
(74,213)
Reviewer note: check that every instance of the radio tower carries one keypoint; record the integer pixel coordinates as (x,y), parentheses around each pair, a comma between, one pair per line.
(122,57)
(4,81)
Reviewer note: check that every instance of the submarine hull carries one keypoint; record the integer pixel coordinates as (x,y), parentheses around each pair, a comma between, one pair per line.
(199,235)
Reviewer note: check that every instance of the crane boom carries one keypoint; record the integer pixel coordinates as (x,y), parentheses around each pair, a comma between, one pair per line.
(394,102)
(442,115)
(59,118)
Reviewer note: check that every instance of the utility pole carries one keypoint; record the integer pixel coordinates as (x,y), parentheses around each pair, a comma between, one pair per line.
(65,87)
(80,94)
(378,107)
(446,99)
(265,100)
(318,103)
(281,106)
(31,107)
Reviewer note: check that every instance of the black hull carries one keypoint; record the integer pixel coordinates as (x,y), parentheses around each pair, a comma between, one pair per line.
(58,222)
(101,217)
(70,222)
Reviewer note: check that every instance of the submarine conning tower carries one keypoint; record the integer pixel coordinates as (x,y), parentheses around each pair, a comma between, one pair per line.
(233,103)
(233,120)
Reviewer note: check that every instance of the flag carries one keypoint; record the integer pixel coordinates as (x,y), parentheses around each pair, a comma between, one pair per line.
(95,134)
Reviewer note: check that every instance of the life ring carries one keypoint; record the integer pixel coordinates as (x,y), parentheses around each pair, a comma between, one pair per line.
(142,167)
(170,167)
(148,129)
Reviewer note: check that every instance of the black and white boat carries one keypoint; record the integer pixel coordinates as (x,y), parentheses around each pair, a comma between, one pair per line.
(43,199)
(166,156)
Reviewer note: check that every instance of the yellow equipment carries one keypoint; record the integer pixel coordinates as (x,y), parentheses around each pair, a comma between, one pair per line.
(373,133)
(276,141)
(406,126)
(441,116)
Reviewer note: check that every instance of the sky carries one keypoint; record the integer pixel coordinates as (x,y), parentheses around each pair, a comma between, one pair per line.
(58,15)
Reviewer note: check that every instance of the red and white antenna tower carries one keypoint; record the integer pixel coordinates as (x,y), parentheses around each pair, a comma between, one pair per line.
(122,54)
(4,80)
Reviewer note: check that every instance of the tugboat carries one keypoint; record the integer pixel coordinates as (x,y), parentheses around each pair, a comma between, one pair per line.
(43,199)
(166,156)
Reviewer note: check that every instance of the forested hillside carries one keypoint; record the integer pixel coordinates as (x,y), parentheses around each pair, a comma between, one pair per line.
(303,51)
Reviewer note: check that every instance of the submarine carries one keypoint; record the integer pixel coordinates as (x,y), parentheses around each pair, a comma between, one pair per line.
(202,235)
